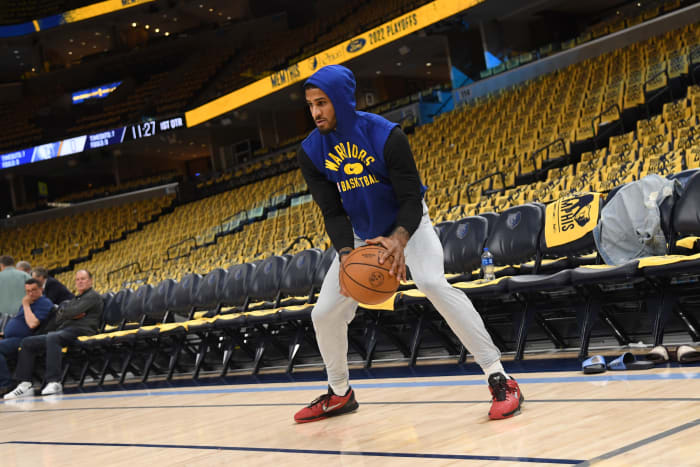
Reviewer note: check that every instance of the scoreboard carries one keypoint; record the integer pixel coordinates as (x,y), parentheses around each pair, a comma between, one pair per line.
(83,143)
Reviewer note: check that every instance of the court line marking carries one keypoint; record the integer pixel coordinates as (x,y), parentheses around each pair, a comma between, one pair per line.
(310,451)
(642,442)
(393,385)
(296,404)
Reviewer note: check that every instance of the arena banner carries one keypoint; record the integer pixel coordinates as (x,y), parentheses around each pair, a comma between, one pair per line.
(383,34)
(71,16)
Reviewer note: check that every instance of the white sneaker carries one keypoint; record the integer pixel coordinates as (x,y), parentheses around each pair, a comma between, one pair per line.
(23,389)
(52,388)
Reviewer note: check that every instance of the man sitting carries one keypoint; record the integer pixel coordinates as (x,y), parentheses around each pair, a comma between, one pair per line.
(34,310)
(53,289)
(78,317)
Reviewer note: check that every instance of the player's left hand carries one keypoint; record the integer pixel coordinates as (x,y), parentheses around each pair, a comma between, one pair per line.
(395,245)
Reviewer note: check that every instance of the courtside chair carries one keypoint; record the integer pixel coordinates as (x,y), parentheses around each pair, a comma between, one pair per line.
(166,335)
(295,311)
(126,340)
(111,318)
(675,277)
(462,247)
(514,240)
(234,301)
(566,239)
(602,288)
(104,342)
(208,299)
(261,317)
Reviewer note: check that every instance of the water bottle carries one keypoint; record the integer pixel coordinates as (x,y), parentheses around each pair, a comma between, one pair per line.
(487,265)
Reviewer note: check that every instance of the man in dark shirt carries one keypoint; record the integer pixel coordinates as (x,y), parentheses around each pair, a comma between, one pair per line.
(53,289)
(78,317)
(34,310)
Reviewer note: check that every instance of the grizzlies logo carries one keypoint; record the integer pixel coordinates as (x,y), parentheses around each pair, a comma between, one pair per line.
(376,279)
(576,210)
(462,230)
(353,168)
(356,45)
(514,219)
(301,261)
(268,266)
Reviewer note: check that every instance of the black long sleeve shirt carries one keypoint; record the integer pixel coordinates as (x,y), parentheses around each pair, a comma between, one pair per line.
(403,176)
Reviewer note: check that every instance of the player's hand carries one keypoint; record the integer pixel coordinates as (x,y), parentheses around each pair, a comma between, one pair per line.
(343,291)
(395,245)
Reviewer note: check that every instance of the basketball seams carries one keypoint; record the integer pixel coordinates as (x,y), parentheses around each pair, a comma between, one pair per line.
(362,285)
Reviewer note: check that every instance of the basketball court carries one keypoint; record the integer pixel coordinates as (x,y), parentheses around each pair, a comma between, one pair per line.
(429,415)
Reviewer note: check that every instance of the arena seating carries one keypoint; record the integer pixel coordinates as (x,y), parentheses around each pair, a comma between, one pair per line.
(55,243)
(129,185)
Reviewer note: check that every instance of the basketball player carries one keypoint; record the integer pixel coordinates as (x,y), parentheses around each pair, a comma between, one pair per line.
(361,173)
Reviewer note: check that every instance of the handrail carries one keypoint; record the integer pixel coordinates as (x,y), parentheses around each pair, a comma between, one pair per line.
(599,117)
(109,274)
(226,219)
(296,240)
(546,146)
(276,191)
(503,182)
(663,90)
(167,252)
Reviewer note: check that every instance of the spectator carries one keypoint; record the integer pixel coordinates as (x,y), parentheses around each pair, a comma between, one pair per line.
(11,286)
(34,310)
(24,266)
(78,317)
(53,289)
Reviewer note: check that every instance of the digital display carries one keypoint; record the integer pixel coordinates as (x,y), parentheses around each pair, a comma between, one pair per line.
(99,92)
(153,127)
(105,138)
(86,142)
(72,145)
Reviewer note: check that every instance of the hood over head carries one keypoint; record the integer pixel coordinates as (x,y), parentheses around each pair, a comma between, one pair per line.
(338,83)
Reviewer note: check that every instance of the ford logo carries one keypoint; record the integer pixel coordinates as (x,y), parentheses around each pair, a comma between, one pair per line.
(356,45)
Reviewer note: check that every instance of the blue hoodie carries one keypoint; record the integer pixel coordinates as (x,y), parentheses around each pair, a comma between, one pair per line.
(352,155)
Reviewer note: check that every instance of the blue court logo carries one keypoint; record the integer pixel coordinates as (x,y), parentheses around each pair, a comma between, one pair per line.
(462,230)
(514,219)
(313,61)
(356,45)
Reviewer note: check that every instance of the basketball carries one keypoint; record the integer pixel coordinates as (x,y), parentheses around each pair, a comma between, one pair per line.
(365,279)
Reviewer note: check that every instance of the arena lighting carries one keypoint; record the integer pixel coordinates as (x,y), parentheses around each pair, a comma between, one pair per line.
(133,25)
(386,33)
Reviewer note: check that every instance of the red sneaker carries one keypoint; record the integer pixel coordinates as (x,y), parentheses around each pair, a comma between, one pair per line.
(506,397)
(327,405)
